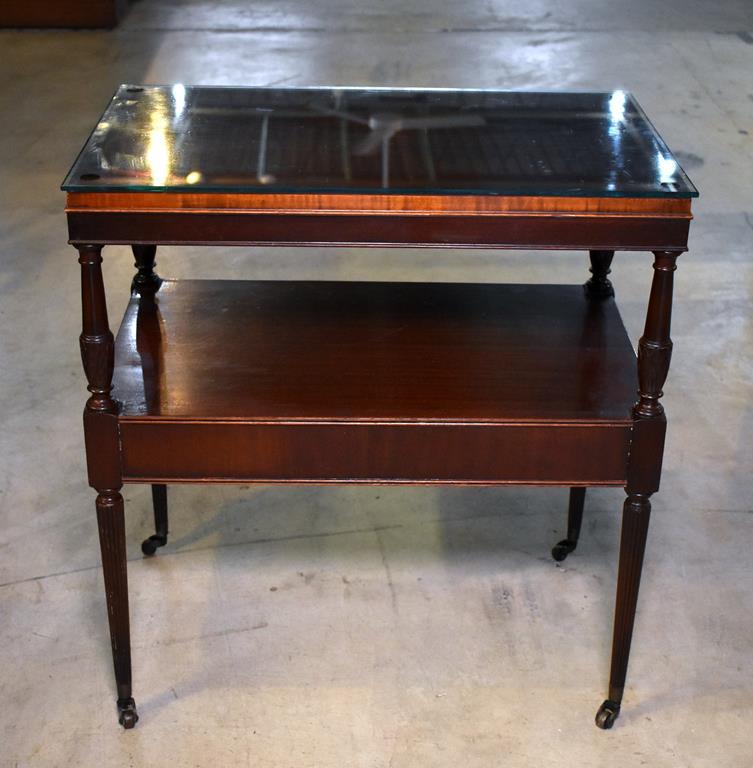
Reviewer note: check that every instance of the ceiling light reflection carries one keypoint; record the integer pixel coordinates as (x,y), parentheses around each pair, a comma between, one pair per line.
(158,149)
(667,168)
(158,156)
(617,103)
(179,99)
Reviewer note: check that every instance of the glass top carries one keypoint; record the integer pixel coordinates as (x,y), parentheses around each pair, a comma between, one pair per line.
(380,141)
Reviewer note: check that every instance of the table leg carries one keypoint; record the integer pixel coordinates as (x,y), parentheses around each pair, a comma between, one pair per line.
(644,472)
(159,539)
(145,279)
(146,282)
(574,519)
(599,286)
(103,463)
(111,521)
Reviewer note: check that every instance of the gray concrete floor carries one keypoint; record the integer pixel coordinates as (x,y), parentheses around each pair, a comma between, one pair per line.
(364,626)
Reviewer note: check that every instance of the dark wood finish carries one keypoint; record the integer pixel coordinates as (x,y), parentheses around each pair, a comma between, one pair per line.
(111,522)
(89,14)
(146,279)
(103,461)
(103,458)
(159,538)
(97,354)
(655,346)
(402,382)
(96,340)
(646,452)
(170,422)
(599,286)
(382,383)
(635,517)
(167,450)
(654,353)
(575,514)
(586,232)
(574,519)
(390,220)
(270,433)
(390,352)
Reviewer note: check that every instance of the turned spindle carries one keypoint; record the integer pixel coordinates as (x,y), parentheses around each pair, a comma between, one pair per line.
(97,343)
(655,346)
(146,280)
(599,286)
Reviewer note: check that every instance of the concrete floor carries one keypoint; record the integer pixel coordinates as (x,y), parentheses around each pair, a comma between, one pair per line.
(365,626)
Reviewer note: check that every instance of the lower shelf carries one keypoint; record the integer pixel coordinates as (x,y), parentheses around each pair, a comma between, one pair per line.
(373,382)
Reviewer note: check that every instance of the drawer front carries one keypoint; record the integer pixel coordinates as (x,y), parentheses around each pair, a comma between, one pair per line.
(561,454)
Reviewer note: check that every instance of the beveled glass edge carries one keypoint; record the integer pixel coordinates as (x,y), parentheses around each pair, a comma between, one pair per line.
(421,191)
(68,185)
(693,190)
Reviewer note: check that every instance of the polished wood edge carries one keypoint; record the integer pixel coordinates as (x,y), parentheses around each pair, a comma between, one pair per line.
(361,481)
(538,246)
(626,423)
(344,204)
(606,231)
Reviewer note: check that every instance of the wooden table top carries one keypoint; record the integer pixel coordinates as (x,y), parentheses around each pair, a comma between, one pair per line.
(354,166)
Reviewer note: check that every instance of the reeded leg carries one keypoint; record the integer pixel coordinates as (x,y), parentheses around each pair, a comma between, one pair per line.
(111,523)
(158,539)
(574,519)
(635,516)
(103,464)
(599,286)
(146,279)
(644,473)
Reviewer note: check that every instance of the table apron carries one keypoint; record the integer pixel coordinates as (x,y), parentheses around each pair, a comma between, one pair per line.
(549,231)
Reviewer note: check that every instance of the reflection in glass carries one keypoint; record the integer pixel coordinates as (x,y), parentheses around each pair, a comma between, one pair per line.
(320,140)
(179,99)
(617,102)
(158,154)
(158,148)
(667,168)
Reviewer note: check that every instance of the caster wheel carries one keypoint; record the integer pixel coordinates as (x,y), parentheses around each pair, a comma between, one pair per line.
(127,714)
(149,546)
(561,550)
(607,714)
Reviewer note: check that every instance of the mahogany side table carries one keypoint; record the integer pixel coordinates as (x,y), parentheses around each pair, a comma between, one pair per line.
(327,382)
